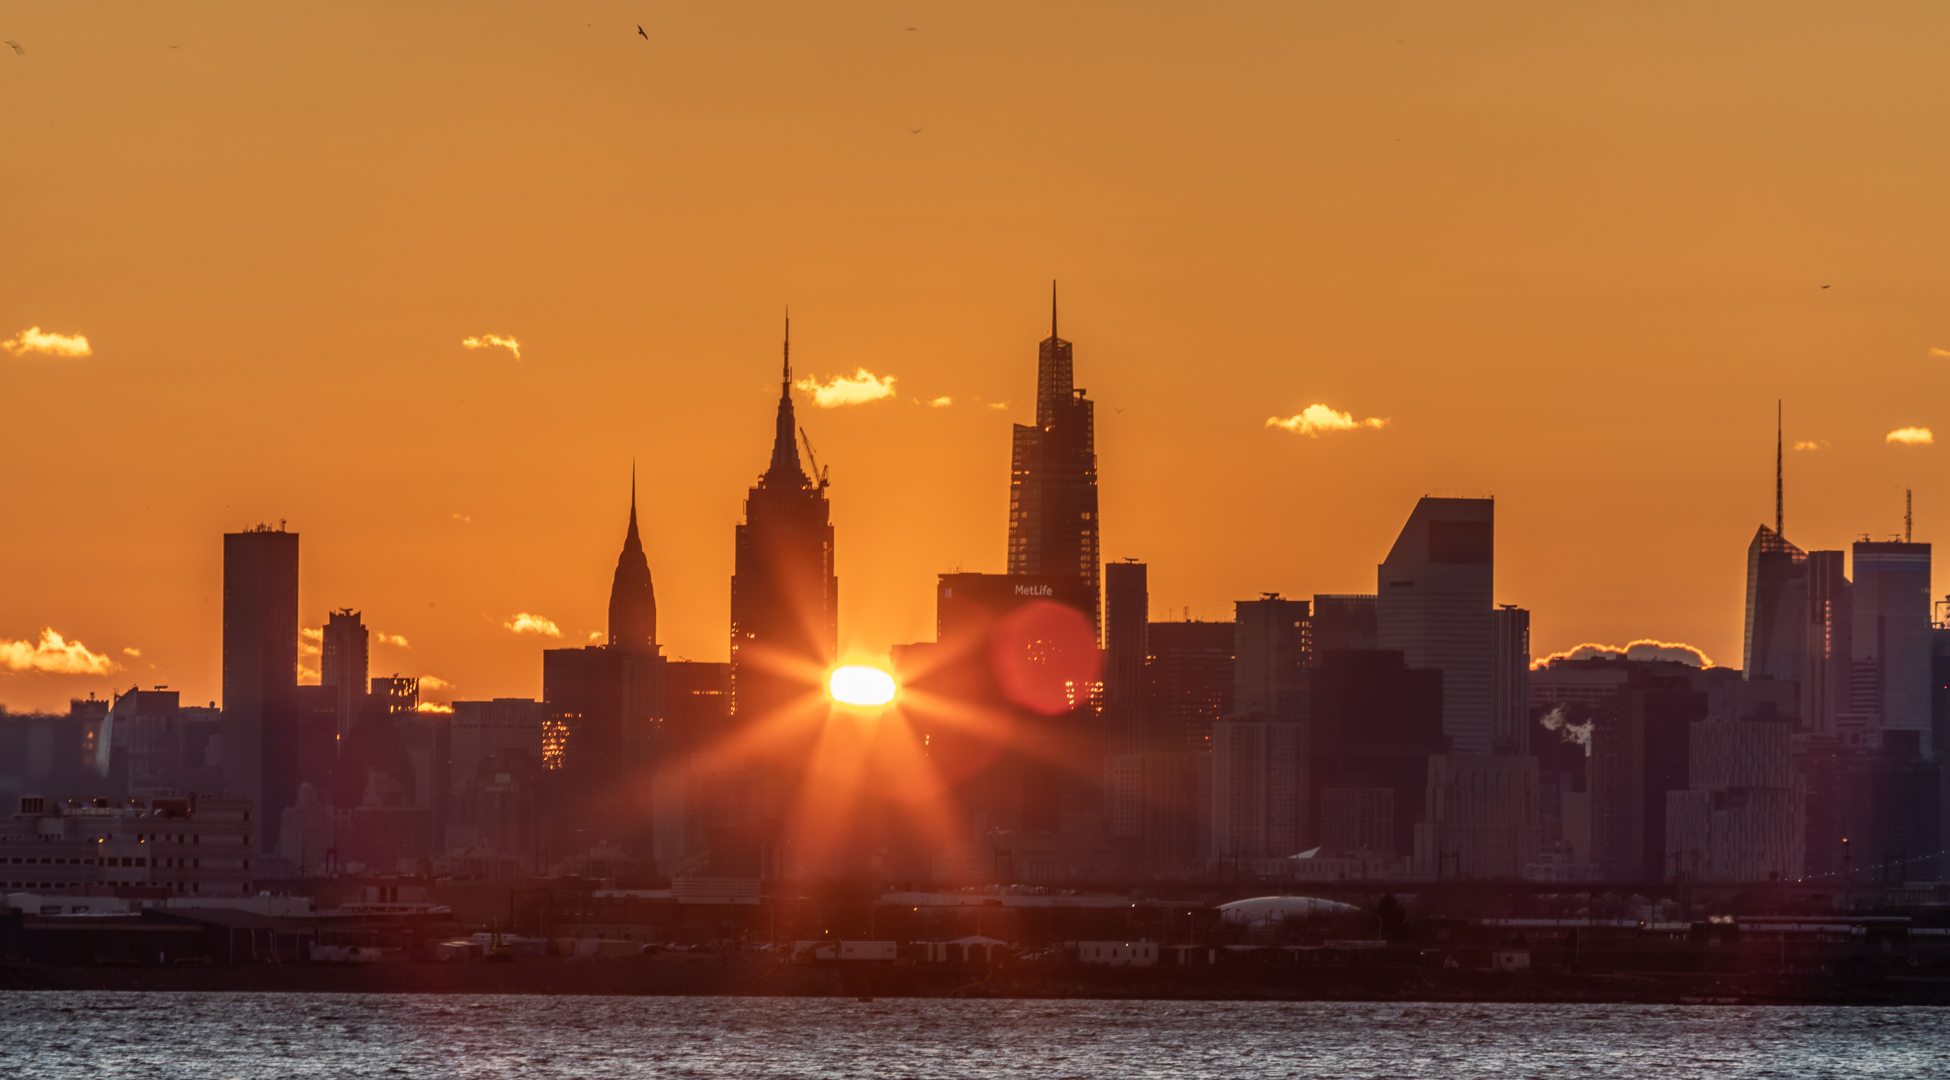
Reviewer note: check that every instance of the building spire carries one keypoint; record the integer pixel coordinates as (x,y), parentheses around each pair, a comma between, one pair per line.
(1052,308)
(632,599)
(1780,503)
(785,440)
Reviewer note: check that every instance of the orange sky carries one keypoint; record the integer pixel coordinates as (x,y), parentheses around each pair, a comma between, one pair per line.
(1571,253)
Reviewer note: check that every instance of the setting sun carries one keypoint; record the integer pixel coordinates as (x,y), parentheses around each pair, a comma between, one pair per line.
(858,684)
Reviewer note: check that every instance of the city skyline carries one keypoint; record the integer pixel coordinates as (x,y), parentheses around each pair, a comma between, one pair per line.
(1590,317)
(538,629)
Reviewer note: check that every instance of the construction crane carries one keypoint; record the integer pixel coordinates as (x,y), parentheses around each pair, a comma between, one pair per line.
(819,474)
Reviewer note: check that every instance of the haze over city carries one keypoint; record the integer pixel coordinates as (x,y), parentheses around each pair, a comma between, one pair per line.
(1569,258)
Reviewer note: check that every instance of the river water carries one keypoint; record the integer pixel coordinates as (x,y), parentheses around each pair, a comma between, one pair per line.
(55,1036)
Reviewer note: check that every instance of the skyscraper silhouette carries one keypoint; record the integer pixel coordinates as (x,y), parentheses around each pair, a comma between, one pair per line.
(1890,682)
(602,719)
(1775,642)
(632,599)
(784,638)
(784,595)
(260,671)
(1053,475)
(345,655)
(1434,606)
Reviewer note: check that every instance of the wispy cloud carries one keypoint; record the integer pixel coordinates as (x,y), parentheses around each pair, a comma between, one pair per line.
(523,622)
(595,637)
(434,682)
(1940,354)
(1811,444)
(1910,436)
(464,519)
(998,404)
(433,707)
(1636,649)
(54,654)
(941,402)
(493,341)
(397,641)
(308,675)
(1317,419)
(36,340)
(132,652)
(311,640)
(859,388)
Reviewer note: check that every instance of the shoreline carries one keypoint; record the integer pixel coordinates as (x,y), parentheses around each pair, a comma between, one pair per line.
(743,979)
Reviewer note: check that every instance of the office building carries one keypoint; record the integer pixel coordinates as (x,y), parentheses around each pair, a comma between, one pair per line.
(1510,692)
(260,670)
(784,593)
(1053,525)
(344,665)
(1127,624)
(1434,607)
(1188,684)
(1828,655)
(1259,749)
(1890,643)
(1775,641)
(1373,723)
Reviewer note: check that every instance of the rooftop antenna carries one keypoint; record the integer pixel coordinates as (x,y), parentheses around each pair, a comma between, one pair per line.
(1780,505)
(1909,520)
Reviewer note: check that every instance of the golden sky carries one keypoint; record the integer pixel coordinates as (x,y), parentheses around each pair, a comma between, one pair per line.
(1571,253)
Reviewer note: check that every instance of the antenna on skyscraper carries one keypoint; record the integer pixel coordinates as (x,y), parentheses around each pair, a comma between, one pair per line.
(1909,521)
(1780,504)
(1052,309)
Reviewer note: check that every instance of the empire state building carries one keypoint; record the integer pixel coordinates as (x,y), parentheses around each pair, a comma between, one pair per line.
(1053,476)
(784,595)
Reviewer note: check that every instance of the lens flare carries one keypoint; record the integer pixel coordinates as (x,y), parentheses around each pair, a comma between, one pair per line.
(859,685)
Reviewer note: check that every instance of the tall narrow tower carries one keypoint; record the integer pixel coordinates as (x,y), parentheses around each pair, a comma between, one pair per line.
(346,653)
(1053,527)
(260,672)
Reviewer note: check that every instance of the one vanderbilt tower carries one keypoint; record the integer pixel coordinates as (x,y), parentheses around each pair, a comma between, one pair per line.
(1053,476)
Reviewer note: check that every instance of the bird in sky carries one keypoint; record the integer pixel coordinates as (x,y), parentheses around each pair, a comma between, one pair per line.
(913,28)
(640,32)
(1827,286)
(15,45)
(913,131)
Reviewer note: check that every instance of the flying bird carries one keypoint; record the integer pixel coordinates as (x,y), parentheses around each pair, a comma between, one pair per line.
(15,45)
(913,131)
(1827,286)
(640,32)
